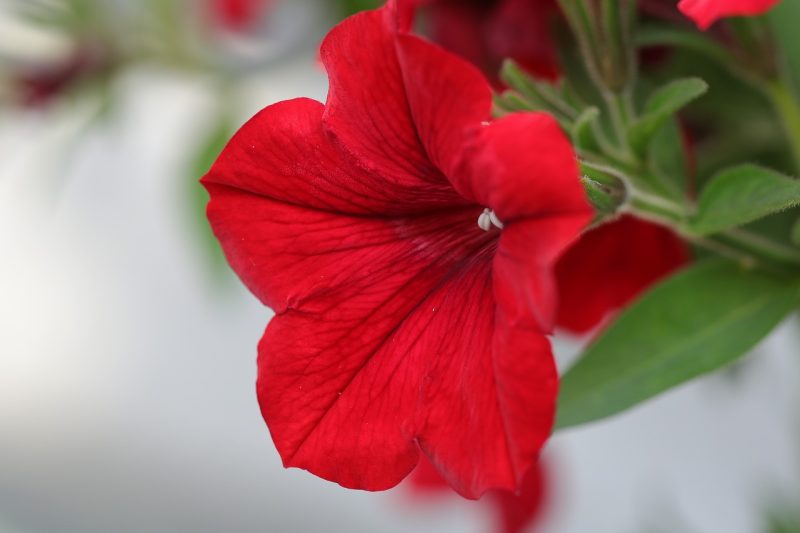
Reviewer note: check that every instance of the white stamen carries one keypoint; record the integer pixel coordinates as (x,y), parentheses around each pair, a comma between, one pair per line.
(487,219)
(495,220)
(484,221)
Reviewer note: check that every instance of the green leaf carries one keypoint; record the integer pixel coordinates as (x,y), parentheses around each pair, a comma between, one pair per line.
(510,101)
(661,107)
(742,194)
(582,133)
(667,160)
(675,37)
(784,519)
(545,95)
(694,323)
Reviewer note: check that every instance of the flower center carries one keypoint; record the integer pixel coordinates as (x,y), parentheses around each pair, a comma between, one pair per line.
(488,219)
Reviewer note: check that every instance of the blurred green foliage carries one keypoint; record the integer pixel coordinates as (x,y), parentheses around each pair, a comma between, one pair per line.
(349,7)
(207,151)
(784,19)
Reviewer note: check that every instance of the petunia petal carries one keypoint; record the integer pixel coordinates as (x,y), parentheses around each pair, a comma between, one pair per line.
(516,511)
(410,356)
(503,404)
(405,11)
(388,340)
(519,511)
(706,12)
(367,109)
(611,265)
(442,116)
(523,165)
(283,155)
(524,267)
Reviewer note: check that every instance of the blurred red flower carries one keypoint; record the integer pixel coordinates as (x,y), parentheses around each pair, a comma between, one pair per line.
(609,266)
(516,512)
(238,15)
(706,12)
(38,85)
(485,32)
(401,325)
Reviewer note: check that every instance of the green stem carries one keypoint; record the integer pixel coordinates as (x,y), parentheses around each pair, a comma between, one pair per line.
(763,246)
(788,109)
(748,248)
(745,259)
(616,110)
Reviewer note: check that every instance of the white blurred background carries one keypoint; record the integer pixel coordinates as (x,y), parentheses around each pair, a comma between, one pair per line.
(127,360)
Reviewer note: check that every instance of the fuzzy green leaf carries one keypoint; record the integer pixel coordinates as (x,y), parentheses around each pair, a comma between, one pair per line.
(544,95)
(694,323)
(582,133)
(742,194)
(661,107)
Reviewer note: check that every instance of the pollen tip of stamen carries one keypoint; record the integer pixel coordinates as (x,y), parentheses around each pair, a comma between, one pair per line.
(485,220)
(494,220)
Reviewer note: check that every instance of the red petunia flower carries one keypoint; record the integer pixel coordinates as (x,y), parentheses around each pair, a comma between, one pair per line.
(516,512)
(406,319)
(611,265)
(238,15)
(706,12)
(486,32)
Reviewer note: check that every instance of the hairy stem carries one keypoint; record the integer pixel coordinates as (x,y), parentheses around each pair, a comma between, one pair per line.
(787,108)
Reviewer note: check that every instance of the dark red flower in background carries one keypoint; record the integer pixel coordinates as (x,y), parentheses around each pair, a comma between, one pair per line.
(485,32)
(609,266)
(238,15)
(39,84)
(706,12)
(515,512)
(401,325)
